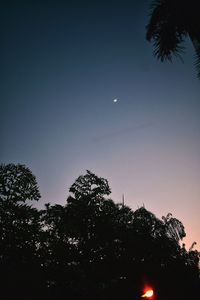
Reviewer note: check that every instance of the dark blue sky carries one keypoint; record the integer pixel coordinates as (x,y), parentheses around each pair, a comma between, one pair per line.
(63,63)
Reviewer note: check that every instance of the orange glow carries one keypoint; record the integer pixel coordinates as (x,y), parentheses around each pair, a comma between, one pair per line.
(148,293)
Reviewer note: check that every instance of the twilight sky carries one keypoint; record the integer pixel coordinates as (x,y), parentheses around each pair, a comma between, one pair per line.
(63,63)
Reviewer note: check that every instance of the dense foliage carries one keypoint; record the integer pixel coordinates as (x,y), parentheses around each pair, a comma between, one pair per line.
(90,248)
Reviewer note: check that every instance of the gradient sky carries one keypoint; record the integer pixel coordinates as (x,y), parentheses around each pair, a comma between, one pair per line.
(63,63)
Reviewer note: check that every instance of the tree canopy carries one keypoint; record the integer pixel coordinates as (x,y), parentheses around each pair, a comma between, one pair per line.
(17,184)
(91,247)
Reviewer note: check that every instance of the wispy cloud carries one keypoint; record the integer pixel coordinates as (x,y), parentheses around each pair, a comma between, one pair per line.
(130,129)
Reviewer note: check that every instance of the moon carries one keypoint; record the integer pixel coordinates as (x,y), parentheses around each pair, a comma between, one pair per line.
(115,100)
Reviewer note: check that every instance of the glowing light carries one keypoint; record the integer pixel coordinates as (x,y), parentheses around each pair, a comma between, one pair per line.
(115,100)
(148,294)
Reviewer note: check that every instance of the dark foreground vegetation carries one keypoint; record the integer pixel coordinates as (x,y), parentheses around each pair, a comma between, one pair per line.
(91,248)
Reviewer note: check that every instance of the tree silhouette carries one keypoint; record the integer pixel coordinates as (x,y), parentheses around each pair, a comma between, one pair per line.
(90,247)
(17,184)
(19,230)
(90,185)
(171,21)
(119,247)
(174,228)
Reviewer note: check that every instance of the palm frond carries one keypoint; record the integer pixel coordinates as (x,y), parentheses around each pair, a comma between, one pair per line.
(166,30)
(167,42)
(157,14)
(197,60)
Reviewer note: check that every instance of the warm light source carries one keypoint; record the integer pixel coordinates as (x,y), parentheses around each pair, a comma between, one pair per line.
(148,293)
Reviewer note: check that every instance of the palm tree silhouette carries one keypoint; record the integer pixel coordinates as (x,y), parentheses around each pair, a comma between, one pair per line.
(171,21)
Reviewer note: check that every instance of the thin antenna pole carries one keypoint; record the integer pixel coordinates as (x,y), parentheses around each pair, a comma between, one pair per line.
(123,200)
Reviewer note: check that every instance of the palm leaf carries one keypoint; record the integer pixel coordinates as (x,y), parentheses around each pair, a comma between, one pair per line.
(167,34)
(197,56)
(197,65)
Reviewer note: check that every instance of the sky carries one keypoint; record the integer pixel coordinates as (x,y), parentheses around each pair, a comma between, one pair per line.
(62,65)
